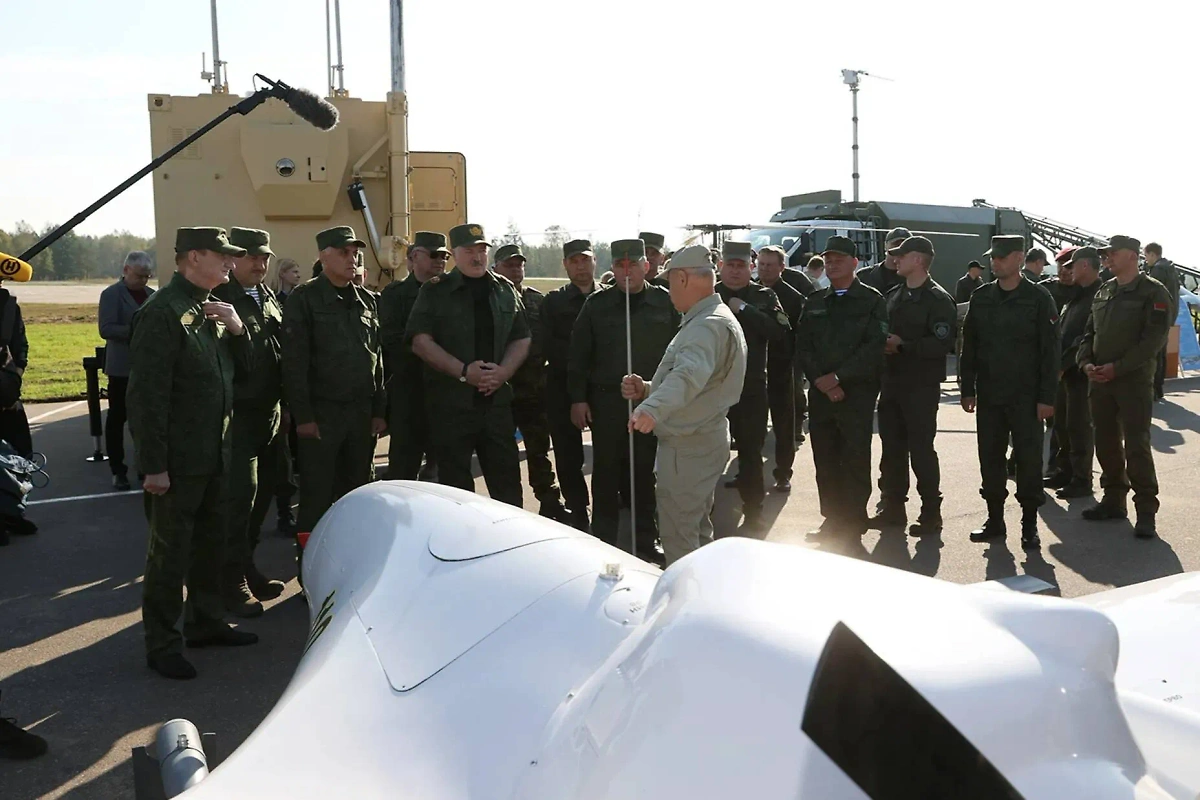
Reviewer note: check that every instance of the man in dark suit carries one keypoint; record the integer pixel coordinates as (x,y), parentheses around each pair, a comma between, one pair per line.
(117,305)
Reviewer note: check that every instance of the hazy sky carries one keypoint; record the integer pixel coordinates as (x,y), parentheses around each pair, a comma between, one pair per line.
(590,115)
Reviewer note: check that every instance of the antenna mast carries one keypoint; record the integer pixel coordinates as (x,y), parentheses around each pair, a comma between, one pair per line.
(218,76)
(850,77)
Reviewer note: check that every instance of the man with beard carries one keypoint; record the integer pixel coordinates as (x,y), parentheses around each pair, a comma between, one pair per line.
(407,423)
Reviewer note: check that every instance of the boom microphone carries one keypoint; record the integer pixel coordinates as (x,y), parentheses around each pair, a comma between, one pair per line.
(306,105)
(14,269)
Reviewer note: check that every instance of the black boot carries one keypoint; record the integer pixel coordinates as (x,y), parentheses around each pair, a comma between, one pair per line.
(553,509)
(994,526)
(1029,528)
(889,515)
(929,522)
(237,597)
(18,743)
(171,665)
(260,585)
(1145,528)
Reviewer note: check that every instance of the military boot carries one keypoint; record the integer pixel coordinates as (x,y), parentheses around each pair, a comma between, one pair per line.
(287,520)
(18,743)
(994,526)
(238,599)
(1145,528)
(752,522)
(1029,528)
(171,665)
(889,515)
(929,522)
(260,585)
(1106,509)
(553,508)
(1056,480)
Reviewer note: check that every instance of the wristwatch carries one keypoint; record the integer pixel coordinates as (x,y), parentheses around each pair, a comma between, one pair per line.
(463,377)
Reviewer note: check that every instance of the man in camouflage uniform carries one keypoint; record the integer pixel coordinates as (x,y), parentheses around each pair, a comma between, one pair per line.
(184,349)
(255,423)
(764,322)
(529,389)
(656,256)
(409,427)
(469,328)
(1009,374)
(1165,273)
(882,277)
(1131,318)
(922,318)
(558,316)
(596,367)
(839,346)
(333,377)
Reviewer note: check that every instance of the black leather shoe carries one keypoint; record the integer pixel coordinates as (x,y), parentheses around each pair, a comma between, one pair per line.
(889,516)
(1056,480)
(261,586)
(17,743)
(783,486)
(1029,529)
(121,483)
(993,528)
(223,637)
(1073,490)
(1145,528)
(171,665)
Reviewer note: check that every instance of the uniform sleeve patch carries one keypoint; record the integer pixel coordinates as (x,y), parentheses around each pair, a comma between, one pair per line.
(884,326)
(941,330)
(1160,307)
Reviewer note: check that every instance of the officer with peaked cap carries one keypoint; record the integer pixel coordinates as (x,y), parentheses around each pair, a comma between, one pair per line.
(764,322)
(596,365)
(333,377)
(686,404)
(1008,374)
(839,346)
(786,407)
(469,328)
(559,313)
(1131,319)
(255,423)
(922,322)
(529,389)
(409,442)
(882,277)
(184,351)
(656,256)
(969,282)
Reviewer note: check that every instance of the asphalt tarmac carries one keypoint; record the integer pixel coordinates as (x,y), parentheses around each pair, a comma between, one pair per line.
(72,662)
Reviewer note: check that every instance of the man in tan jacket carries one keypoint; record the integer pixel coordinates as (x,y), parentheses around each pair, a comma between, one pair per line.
(686,403)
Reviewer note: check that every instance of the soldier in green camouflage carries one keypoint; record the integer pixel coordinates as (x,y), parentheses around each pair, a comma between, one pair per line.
(333,377)
(529,390)
(1131,318)
(255,423)
(1163,271)
(469,328)
(407,422)
(184,350)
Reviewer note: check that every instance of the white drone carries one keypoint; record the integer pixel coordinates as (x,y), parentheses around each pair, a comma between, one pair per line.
(462,648)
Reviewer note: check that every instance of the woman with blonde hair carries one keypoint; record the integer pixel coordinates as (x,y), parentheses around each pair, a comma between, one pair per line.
(283,276)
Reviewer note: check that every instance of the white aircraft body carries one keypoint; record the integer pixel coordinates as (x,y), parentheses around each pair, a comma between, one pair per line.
(462,648)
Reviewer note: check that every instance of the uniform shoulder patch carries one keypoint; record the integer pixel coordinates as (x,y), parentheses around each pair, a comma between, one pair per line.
(941,330)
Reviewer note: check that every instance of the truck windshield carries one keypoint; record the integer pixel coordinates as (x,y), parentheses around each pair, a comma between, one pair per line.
(804,241)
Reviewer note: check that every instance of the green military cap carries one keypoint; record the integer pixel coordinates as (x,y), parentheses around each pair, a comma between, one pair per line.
(1121,243)
(841,244)
(633,249)
(213,239)
(655,240)
(1084,252)
(695,256)
(433,242)
(467,236)
(736,251)
(1036,254)
(254,242)
(913,244)
(897,233)
(341,236)
(507,251)
(974,265)
(577,246)
(1006,245)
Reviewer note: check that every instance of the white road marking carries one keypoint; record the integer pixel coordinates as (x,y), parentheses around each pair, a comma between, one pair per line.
(82,497)
(67,407)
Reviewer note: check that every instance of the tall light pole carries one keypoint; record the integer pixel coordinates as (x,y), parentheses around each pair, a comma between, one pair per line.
(850,78)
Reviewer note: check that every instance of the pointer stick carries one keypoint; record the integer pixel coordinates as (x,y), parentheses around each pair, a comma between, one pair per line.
(629,371)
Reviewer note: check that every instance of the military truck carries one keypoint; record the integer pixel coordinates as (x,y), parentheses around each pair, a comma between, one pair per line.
(960,234)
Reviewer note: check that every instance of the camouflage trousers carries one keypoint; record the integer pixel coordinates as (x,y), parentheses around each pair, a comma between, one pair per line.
(187,546)
(257,443)
(529,415)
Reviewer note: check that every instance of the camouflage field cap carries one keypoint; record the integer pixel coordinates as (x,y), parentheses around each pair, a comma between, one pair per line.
(1121,243)
(1085,252)
(913,244)
(695,256)
(507,251)
(433,242)
(843,245)
(467,236)
(577,246)
(633,249)
(1005,246)
(213,239)
(254,242)
(655,240)
(341,236)
(736,251)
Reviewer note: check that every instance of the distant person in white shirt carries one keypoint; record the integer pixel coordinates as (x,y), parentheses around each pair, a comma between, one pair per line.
(816,272)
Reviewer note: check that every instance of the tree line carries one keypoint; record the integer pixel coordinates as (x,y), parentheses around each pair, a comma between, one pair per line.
(74,257)
(545,260)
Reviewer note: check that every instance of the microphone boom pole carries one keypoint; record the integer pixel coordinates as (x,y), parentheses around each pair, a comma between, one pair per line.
(277,89)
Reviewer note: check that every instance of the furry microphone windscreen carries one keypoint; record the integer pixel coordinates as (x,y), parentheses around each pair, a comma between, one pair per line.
(312,109)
